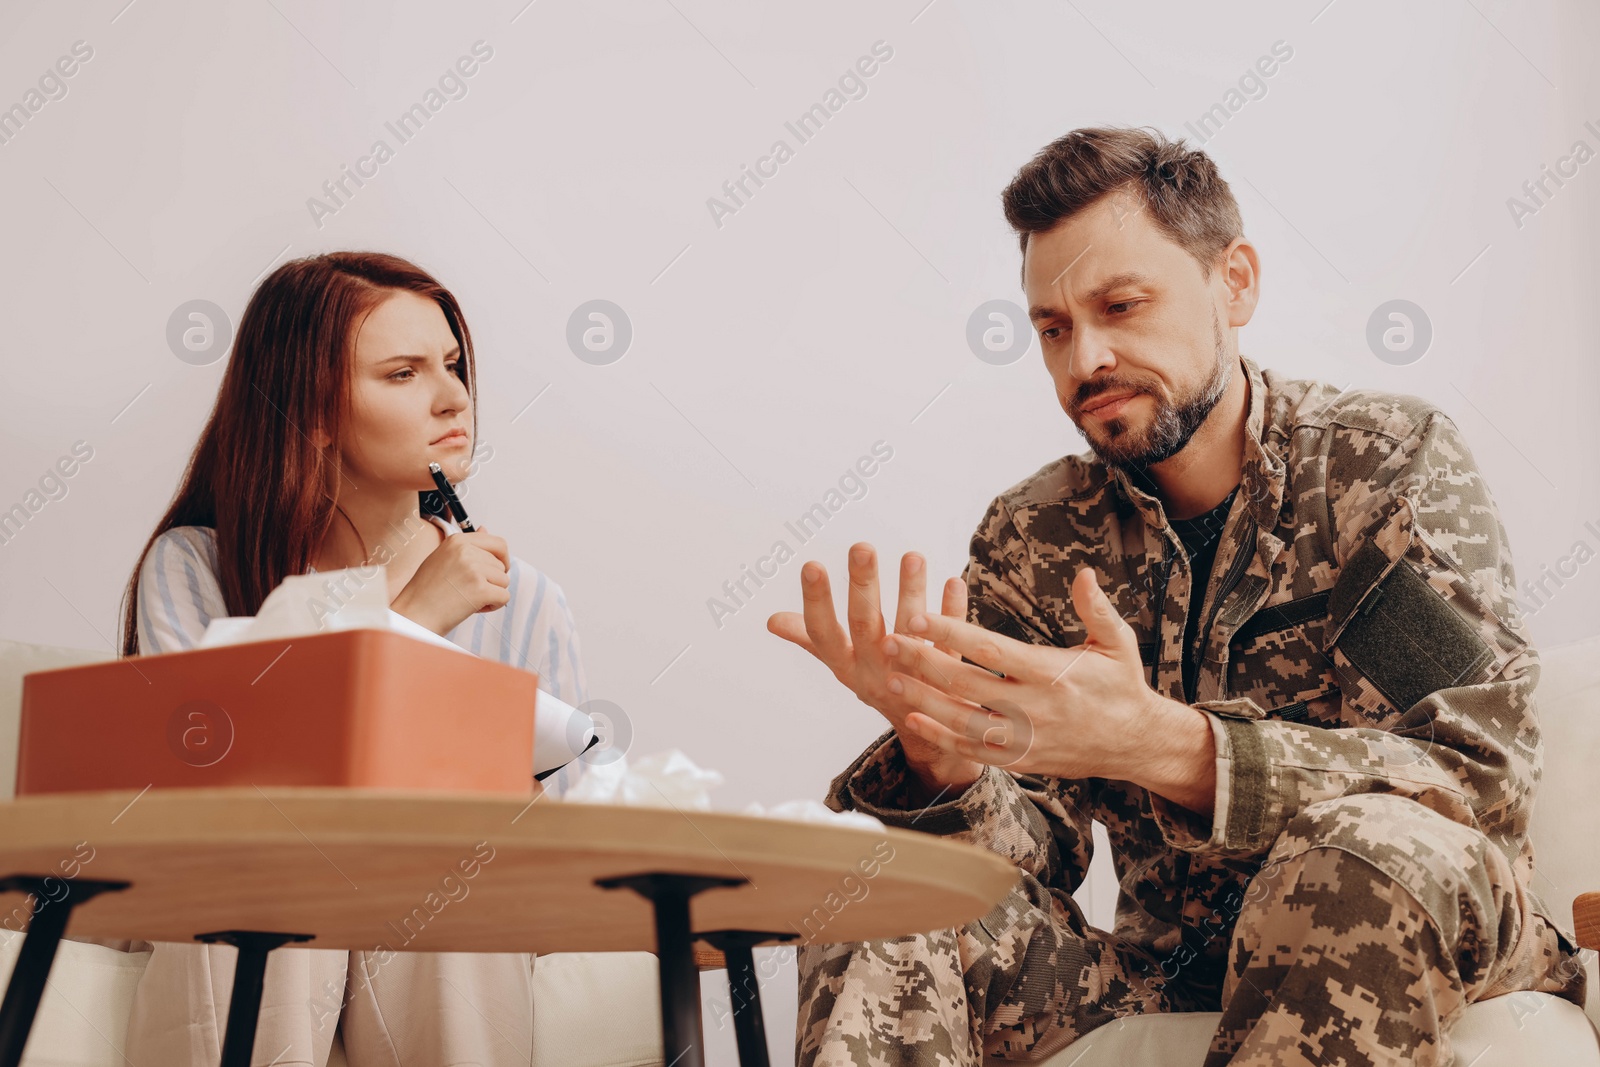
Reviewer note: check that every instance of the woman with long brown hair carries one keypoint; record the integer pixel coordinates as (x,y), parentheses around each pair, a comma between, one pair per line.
(351,372)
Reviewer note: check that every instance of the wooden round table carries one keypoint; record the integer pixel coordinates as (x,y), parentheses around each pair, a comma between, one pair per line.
(539,876)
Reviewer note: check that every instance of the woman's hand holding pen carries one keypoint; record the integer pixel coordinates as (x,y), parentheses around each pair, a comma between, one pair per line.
(466,574)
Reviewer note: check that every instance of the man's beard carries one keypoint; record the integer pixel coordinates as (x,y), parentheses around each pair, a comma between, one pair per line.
(1173,425)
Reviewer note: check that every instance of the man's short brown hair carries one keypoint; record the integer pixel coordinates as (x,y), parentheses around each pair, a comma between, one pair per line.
(1180,187)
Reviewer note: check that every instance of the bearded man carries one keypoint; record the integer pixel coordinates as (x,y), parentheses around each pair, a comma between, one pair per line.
(1264,633)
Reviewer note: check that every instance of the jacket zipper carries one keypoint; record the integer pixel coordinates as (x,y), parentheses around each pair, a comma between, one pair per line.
(1236,569)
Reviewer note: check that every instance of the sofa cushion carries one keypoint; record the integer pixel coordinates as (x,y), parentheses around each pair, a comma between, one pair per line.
(1508,1031)
(597,1009)
(18,658)
(1566,849)
(592,1009)
(83,1017)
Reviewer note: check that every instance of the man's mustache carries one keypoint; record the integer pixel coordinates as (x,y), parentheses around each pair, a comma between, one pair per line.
(1089,390)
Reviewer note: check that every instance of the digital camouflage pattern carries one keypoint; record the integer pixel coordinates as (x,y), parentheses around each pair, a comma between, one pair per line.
(1370,689)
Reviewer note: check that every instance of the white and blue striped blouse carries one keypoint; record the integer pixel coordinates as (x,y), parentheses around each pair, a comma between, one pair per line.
(179,596)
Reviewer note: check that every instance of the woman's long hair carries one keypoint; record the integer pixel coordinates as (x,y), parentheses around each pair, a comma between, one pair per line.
(254,476)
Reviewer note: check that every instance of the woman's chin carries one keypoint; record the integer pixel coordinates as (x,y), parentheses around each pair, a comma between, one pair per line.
(451,466)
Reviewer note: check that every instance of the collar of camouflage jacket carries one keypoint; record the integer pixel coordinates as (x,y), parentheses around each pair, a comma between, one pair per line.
(1262,477)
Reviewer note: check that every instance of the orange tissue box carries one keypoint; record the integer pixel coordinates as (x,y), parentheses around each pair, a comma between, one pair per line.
(365,708)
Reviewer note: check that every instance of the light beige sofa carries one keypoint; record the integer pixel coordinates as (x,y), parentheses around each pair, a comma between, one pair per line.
(601,1010)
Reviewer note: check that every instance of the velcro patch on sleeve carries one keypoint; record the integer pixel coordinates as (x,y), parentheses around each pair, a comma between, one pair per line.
(1400,633)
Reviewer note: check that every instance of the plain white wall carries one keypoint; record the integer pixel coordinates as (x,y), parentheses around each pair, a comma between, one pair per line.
(771,347)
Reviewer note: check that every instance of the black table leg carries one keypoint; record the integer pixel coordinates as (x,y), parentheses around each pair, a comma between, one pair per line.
(38,952)
(749,1025)
(681,1039)
(249,975)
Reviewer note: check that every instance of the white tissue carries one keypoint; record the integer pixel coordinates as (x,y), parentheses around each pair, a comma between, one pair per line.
(672,779)
(327,601)
(809,810)
(321,603)
(666,779)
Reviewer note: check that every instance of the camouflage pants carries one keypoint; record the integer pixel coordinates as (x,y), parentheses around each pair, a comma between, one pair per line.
(1370,926)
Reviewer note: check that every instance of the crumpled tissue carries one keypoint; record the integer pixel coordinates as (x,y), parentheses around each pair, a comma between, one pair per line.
(672,779)
(321,603)
(326,601)
(666,779)
(811,810)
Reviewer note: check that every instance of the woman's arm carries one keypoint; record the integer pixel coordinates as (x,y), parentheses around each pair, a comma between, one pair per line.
(178,593)
(560,666)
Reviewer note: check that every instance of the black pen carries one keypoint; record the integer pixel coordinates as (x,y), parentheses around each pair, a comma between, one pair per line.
(450,498)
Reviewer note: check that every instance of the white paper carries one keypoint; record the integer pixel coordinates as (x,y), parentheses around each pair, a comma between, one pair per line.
(329,601)
(553,733)
(672,779)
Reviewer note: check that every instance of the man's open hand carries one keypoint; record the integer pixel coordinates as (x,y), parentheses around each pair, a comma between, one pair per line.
(859,658)
(1080,712)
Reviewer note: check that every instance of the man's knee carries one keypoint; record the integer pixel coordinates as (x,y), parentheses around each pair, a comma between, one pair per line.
(877,968)
(883,1001)
(1413,844)
(1454,875)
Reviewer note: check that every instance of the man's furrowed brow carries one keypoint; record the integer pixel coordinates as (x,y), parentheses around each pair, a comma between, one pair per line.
(1123,279)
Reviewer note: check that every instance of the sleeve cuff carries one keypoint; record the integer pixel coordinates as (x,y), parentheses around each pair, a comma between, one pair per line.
(993,812)
(1240,823)
(881,784)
